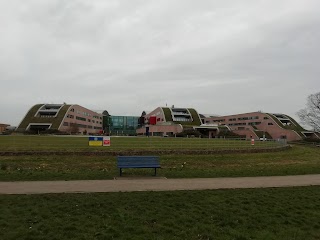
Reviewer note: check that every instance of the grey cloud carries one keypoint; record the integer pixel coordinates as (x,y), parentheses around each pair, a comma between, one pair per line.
(129,56)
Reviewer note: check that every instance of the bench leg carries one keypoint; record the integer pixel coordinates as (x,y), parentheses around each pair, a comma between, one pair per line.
(155,171)
(120,172)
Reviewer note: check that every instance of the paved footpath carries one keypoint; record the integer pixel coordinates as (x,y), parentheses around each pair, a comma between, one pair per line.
(155,184)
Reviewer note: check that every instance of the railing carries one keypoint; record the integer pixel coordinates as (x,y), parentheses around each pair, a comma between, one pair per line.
(305,143)
(181,113)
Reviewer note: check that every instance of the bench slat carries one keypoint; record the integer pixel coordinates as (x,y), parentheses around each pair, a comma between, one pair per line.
(138,162)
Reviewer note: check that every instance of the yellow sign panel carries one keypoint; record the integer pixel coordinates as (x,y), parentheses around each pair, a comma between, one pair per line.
(98,141)
(95,143)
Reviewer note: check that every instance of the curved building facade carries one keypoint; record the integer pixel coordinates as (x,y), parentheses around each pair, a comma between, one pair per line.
(61,117)
(259,125)
(169,121)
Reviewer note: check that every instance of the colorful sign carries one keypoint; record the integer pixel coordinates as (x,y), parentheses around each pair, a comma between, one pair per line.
(106,142)
(95,141)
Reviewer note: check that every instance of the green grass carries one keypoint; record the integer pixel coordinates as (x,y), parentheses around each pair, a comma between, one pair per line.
(270,214)
(63,143)
(295,161)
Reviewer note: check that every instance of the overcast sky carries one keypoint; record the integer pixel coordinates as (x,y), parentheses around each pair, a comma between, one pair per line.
(219,57)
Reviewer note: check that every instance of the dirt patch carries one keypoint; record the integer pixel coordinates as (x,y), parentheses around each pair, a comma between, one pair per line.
(283,162)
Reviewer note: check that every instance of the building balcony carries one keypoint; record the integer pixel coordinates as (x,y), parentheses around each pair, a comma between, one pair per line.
(180,114)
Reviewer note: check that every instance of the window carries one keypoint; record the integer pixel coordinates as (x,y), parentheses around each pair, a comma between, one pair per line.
(219,120)
(248,118)
(254,123)
(81,118)
(65,124)
(270,123)
(82,126)
(47,116)
(265,118)
(237,124)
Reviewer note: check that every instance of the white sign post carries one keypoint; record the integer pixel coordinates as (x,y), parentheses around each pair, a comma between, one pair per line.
(106,142)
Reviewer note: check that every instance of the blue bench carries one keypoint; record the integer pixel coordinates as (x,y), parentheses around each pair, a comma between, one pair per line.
(138,162)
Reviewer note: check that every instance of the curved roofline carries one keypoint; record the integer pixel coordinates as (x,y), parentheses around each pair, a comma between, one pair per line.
(28,112)
(65,115)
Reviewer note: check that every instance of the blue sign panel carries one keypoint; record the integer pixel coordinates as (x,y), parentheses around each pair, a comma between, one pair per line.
(95,141)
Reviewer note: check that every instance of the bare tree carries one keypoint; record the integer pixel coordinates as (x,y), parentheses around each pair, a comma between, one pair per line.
(311,114)
(73,129)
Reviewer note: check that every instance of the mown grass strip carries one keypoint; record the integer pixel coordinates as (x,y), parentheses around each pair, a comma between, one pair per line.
(296,161)
(286,213)
(62,143)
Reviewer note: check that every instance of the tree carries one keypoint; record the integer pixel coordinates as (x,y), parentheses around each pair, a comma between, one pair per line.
(74,128)
(311,114)
(106,122)
(143,114)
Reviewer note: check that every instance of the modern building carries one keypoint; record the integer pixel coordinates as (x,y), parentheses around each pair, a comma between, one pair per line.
(162,121)
(3,127)
(64,118)
(259,125)
(122,125)
(165,121)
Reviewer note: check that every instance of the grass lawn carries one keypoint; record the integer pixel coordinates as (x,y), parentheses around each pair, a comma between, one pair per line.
(282,213)
(72,144)
(294,161)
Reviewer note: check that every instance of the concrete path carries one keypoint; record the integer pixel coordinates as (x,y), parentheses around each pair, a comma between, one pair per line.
(155,184)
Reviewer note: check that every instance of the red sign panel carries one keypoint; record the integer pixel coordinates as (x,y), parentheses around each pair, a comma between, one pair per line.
(106,141)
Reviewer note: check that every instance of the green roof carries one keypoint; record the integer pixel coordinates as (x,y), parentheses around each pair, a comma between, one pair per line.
(296,127)
(30,118)
(196,121)
(167,114)
(195,117)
